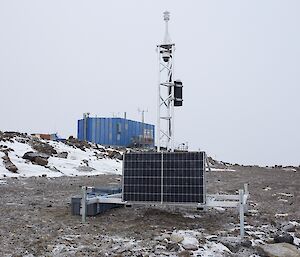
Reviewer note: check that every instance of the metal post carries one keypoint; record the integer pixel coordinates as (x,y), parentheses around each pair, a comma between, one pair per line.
(246,205)
(241,210)
(143,125)
(83,204)
(246,188)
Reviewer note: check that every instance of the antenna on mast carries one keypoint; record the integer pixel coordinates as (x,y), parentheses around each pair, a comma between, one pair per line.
(167,38)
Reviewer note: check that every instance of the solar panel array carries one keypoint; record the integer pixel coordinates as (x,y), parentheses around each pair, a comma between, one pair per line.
(164,177)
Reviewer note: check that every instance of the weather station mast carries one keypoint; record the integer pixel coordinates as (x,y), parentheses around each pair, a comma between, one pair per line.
(169,91)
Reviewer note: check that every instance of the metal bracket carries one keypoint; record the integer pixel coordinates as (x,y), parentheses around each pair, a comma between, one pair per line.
(239,201)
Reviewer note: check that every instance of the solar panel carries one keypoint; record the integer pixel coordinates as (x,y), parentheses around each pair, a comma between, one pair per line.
(164,177)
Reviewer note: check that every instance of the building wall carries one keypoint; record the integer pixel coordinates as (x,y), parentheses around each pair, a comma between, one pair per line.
(115,131)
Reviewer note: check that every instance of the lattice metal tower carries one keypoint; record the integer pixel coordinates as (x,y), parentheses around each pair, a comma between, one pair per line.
(167,90)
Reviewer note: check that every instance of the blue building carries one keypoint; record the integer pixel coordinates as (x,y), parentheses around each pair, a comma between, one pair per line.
(116,132)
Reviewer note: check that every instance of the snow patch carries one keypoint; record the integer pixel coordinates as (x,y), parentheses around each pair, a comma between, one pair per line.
(212,249)
(78,162)
(282,200)
(289,169)
(281,214)
(286,194)
(267,188)
(219,169)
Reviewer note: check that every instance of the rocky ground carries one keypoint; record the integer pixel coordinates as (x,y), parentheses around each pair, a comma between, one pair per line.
(36,219)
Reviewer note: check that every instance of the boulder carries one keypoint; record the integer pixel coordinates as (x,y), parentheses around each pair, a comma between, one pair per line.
(41,161)
(190,240)
(37,158)
(232,243)
(285,238)
(279,250)
(246,243)
(32,155)
(184,254)
(176,238)
(289,228)
(190,247)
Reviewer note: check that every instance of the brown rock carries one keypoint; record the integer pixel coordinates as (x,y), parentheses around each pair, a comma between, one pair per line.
(184,254)
(9,165)
(36,158)
(42,147)
(41,161)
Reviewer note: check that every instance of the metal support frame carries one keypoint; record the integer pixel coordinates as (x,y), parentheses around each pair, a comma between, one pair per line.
(165,108)
(239,201)
(165,102)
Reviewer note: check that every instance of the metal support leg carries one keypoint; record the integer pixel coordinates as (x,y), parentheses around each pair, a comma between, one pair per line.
(241,209)
(83,204)
(246,205)
(246,189)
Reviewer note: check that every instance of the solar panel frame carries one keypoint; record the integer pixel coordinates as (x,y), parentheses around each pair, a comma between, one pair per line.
(169,178)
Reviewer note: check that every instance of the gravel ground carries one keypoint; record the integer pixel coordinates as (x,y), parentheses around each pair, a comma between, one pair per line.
(36,218)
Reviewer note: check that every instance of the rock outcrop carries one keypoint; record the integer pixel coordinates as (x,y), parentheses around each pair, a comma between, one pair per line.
(9,165)
(37,158)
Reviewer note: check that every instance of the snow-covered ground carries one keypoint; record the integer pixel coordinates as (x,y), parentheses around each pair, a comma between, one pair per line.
(221,169)
(74,165)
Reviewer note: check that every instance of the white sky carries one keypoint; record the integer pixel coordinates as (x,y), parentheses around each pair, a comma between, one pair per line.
(239,62)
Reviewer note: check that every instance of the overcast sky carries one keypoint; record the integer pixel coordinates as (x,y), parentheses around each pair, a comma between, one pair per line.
(239,62)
